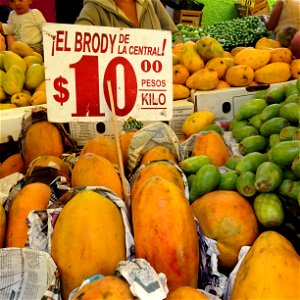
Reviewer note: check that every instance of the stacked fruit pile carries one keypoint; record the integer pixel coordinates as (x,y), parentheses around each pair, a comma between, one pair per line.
(204,65)
(234,199)
(22,77)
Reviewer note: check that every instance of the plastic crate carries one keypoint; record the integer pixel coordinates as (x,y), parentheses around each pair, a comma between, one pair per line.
(260,7)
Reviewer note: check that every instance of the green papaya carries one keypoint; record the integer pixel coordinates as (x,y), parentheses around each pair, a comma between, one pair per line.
(268,210)
(228,181)
(287,133)
(232,161)
(291,89)
(207,178)
(296,166)
(276,94)
(234,123)
(292,99)
(285,187)
(295,191)
(268,177)
(250,108)
(190,180)
(260,94)
(274,139)
(214,127)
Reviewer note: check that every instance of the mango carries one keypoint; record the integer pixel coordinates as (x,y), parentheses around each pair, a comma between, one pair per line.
(35,75)
(31,59)
(3,95)
(13,80)
(180,91)
(2,61)
(272,73)
(190,58)
(209,48)
(1,77)
(38,98)
(203,80)
(240,75)
(20,99)
(11,59)
(21,48)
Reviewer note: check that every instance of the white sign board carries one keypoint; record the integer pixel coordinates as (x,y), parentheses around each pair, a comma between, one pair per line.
(80,61)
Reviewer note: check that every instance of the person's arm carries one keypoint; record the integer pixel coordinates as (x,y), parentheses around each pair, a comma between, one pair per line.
(273,19)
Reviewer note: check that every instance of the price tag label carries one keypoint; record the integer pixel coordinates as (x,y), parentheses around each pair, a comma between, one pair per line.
(81,60)
(248,3)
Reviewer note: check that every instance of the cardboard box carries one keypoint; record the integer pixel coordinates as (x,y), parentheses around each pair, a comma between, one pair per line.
(224,103)
(83,132)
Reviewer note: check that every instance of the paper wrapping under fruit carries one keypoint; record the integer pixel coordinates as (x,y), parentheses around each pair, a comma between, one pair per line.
(27,274)
(154,134)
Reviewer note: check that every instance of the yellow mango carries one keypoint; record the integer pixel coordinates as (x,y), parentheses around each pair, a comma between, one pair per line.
(180,91)
(2,61)
(190,58)
(21,48)
(197,121)
(2,73)
(219,64)
(11,59)
(240,75)
(3,95)
(281,54)
(265,42)
(41,86)
(254,58)
(20,99)
(38,98)
(13,80)
(203,80)
(295,68)
(272,73)
(31,59)
(7,106)
(270,270)
(35,75)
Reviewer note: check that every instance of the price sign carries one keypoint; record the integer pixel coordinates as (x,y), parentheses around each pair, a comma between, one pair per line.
(81,60)
(248,3)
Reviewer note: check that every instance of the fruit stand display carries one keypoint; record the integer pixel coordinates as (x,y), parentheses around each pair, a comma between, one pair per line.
(205,216)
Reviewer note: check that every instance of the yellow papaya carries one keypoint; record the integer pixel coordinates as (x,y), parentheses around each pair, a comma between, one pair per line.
(169,244)
(13,80)
(270,270)
(272,73)
(35,75)
(88,239)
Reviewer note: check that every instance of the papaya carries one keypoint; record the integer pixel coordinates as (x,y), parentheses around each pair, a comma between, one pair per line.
(161,168)
(103,146)
(186,292)
(193,163)
(107,287)
(241,133)
(272,73)
(211,144)
(180,91)
(197,121)
(228,181)
(159,152)
(287,133)
(271,258)
(33,196)
(13,80)
(276,95)
(270,111)
(285,152)
(253,143)
(35,75)
(2,225)
(228,218)
(254,58)
(232,161)
(273,126)
(250,162)
(93,170)
(203,80)
(42,138)
(96,249)
(239,75)
(158,235)
(14,163)
(245,184)
(291,112)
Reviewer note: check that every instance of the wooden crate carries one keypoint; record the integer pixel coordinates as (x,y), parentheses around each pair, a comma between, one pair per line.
(261,7)
(188,17)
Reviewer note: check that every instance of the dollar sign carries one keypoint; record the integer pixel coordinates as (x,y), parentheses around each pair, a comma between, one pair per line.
(64,94)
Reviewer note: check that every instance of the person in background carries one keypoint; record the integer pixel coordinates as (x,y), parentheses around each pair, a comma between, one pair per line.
(24,24)
(147,14)
(284,20)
